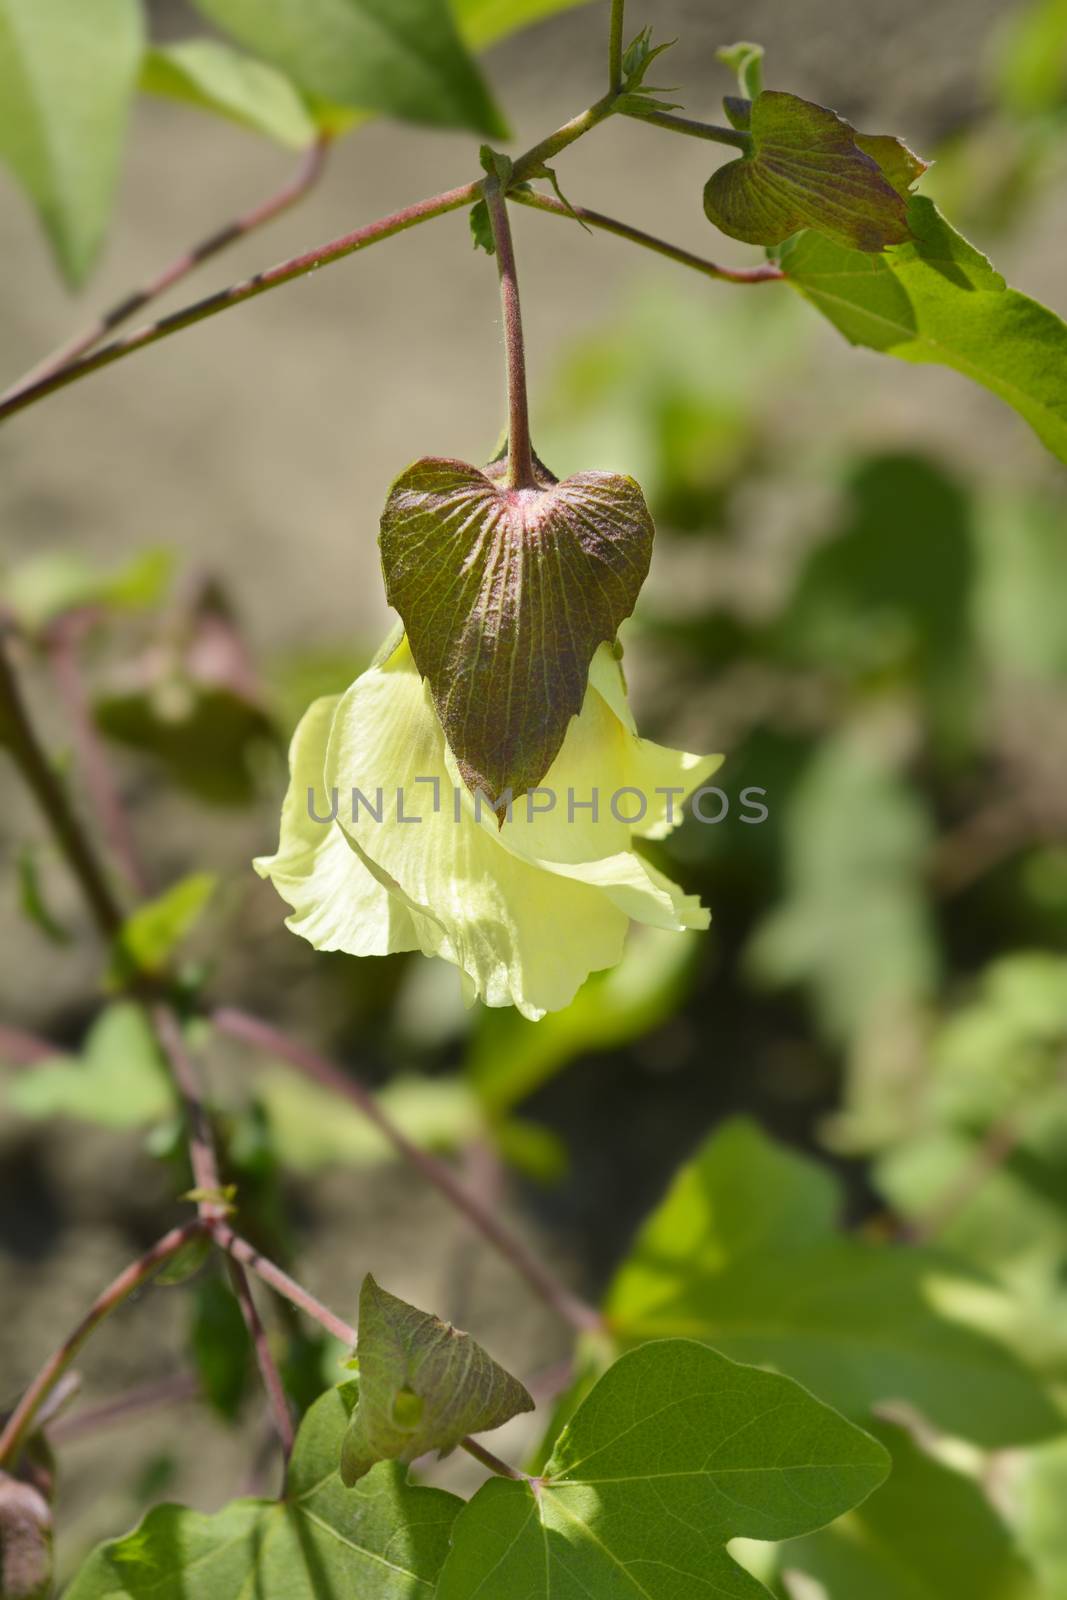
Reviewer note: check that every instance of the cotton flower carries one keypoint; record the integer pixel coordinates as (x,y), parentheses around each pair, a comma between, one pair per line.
(410,859)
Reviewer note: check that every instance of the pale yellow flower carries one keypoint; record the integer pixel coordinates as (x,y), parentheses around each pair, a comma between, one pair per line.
(526,909)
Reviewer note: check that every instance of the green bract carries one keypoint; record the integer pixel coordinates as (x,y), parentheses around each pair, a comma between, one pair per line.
(527,908)
(506,594)
(808,168)
(423,1385)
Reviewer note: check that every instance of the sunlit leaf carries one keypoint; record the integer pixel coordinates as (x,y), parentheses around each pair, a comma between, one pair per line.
(744,1253)
(938,299)
(483,22)
(211,75)
(674,1452)
(927,1533)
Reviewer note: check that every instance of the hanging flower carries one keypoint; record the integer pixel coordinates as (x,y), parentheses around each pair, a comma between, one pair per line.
(384,846)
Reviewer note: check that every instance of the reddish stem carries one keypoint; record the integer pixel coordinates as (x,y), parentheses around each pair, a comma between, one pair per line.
(306,177)
(20,1423)
(520,451)
(262,1036)
(765,273)
(272,278)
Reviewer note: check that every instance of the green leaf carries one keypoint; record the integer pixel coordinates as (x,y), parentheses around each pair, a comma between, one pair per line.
(118,1081)
(313,1130)
(483,22)
(209,74)
(220,1346)
(381,1541)
(854,925)
(151,935)
(402,57)
(675,1451)
(67,75)
(805,170)
(32,903)
(41,589)
(894,1546)
(938,299)
(534,581)
(423,1385)
(743,1252)
(1041,1495)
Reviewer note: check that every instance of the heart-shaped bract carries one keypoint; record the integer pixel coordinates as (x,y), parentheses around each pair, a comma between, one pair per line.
(808,168)
(506,594)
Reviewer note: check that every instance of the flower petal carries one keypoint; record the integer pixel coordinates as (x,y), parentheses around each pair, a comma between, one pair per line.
(337,904)
(524,936)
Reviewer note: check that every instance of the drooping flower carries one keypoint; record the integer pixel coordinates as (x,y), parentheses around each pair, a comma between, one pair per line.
(525,903)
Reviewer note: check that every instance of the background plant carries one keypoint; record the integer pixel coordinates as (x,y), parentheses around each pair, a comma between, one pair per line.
(866,686)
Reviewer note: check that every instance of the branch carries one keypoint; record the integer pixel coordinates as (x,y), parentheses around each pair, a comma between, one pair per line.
(212,1211)
(998,1143)
(695,130)
(273,278)
(20,1423)
(17,734)
(61,646)
(21,1049)
(520,474)
(765,273)
(238,1025)
(27,393)
(615,35)
(306,177)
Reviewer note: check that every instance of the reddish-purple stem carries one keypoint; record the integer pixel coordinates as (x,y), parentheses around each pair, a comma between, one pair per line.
(307,175)
(21,1420)
(272,278)
(766,272)
(520,450)
(263,1037)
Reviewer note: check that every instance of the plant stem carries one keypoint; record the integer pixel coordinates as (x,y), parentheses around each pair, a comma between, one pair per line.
(204,1161)
(17,734)
(272,1382)
(285,272)
(528,164)
(615,36)
(488,1459)
(305,178)
(765,273)
(998,1143)
(20,1423)
(282,1283)
(28,391)
(61,644)
(520,451)
(238,1025)
(21,1049)
(695,130)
